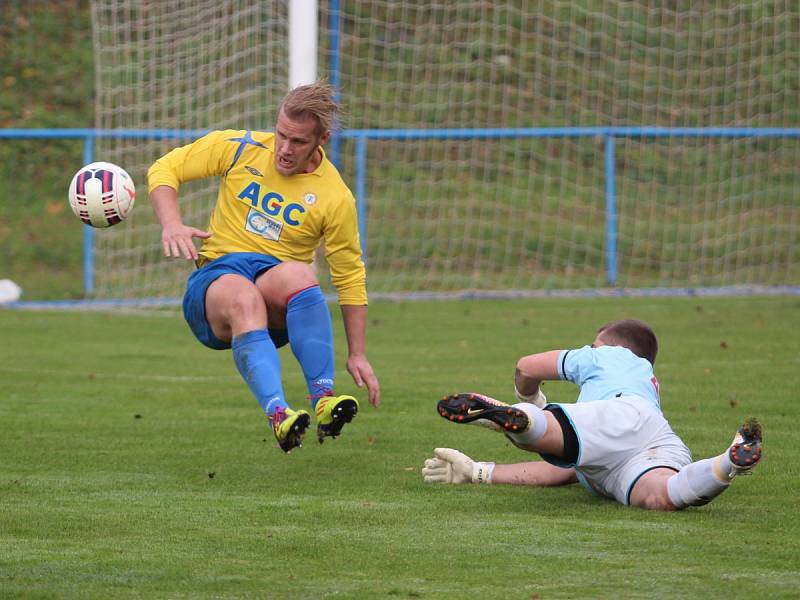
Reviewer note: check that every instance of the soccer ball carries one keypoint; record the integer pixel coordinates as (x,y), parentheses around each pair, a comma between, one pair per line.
(101,194)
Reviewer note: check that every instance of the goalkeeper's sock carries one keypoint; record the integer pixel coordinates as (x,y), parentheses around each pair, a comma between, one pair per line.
(259,364)
(698,483)
(536,429)
(311,338)
(701,481)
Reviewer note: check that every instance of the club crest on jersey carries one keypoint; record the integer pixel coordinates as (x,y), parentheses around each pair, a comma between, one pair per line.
(309,198)
(272,204)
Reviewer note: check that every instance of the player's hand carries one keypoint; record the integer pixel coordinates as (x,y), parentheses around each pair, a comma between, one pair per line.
(451,466)
(177,240)
(361,371)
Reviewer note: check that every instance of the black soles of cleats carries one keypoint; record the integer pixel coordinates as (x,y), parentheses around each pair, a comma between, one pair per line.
(344,412)
(468,408)
(294,438)
(746,452)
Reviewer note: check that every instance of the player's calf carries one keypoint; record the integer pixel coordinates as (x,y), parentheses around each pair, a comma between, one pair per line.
(702,481)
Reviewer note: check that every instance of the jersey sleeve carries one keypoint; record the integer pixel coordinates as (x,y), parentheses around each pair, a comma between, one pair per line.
(205,157)
(343,253)
(577,365)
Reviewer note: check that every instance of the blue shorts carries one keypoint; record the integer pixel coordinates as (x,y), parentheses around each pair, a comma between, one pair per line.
(247,264)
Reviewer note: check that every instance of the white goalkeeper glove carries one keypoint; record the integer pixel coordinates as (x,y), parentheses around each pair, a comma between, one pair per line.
(451,466)
(537,399)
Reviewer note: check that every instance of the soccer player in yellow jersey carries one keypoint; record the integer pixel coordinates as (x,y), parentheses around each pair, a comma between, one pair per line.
(254,289)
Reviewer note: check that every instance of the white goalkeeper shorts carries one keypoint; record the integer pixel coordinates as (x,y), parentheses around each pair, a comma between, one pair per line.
(619,440)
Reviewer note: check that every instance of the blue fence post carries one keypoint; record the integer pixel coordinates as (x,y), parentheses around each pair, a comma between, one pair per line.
(361,192)
(611,210)
(88,232)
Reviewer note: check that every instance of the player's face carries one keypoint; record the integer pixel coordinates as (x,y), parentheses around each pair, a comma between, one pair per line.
(296,145)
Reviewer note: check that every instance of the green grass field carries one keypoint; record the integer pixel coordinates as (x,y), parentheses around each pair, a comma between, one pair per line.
(135,464)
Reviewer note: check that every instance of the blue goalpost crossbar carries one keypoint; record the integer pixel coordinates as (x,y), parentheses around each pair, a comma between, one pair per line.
(361,138)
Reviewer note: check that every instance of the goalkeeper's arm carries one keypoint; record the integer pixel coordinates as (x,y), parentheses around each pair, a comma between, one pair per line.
(531,371)
(451,466)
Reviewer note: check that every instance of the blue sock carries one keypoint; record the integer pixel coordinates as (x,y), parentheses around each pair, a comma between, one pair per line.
(259,364)
(311,337)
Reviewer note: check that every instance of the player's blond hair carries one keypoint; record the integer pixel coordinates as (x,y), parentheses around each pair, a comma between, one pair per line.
(317,101)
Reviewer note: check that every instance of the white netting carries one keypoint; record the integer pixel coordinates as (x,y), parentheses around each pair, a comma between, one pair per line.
(176,65)
(492,214)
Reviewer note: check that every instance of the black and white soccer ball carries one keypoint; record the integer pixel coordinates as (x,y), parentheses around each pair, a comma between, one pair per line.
(101,194)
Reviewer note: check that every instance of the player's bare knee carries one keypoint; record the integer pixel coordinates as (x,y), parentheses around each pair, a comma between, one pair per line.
(231,296)
(234,305)
(299,275)
(651,493)
(245,304)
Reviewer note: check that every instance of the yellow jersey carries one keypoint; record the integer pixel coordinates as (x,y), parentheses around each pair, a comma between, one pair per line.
(260,210)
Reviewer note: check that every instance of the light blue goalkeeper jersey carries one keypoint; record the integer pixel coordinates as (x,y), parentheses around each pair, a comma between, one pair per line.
(607,372)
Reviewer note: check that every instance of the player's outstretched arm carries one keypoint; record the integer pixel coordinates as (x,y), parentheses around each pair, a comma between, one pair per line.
(355,326)
(451,466)
(176,238)
(536,473)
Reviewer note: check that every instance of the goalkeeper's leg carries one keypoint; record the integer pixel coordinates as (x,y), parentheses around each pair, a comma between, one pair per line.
(526,425)
(704,480)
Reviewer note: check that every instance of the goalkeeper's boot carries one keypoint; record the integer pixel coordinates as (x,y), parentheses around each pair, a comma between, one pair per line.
(745,451)
(478,409)
(332,414)
(289,427)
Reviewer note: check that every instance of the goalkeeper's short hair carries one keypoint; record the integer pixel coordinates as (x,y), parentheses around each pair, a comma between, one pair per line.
(633,334)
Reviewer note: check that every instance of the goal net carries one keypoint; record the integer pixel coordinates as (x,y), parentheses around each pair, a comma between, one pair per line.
(527,207)
(176,66)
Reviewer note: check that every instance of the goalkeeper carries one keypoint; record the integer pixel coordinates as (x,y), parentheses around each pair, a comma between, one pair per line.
(614,440)
(254,289)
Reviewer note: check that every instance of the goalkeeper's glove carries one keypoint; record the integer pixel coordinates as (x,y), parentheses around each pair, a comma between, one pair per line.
(451,466)
(537,399)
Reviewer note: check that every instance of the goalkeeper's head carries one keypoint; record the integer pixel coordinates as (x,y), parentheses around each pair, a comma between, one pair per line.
(636,336)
